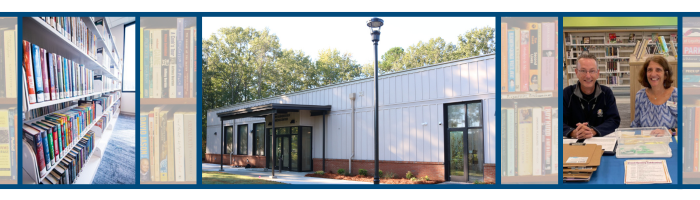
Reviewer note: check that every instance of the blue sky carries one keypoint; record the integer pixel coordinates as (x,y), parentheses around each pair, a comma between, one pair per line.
(350,34)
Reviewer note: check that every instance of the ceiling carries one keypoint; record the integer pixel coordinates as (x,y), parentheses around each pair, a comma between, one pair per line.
(116,21)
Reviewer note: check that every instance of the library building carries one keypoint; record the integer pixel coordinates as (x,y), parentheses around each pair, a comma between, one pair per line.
(78,124)
(436,121)
(620,98)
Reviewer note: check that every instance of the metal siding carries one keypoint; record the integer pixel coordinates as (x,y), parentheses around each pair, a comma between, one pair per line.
(411,87)
(427,140)
(448,82)
(404,88)
(441,132)
(405,135)
(473,79)
(418,86)
(491,157)
(483,78)
(440,83)
(412,134)
(491,65)
(456,87)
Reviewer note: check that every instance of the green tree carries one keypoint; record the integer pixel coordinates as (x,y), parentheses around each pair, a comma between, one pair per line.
(477,41)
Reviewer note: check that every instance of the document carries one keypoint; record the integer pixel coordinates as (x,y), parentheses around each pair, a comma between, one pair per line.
(608,143)
(646,172)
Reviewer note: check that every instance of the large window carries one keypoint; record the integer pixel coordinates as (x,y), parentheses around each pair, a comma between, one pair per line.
(129,70)
(259,139)
(243,139)
(228,137)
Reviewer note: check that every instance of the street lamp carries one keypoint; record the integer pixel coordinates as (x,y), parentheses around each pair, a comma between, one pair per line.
(375,25)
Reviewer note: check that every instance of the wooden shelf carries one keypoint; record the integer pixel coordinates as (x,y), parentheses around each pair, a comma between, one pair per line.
(8,101)
(52,102)
(4,182)
(37,31)
(529,95)
(168,101)
(166,22)
(544,179)
(170,182)
(693,175)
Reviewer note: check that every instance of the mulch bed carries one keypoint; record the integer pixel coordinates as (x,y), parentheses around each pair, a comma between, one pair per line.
(371,179)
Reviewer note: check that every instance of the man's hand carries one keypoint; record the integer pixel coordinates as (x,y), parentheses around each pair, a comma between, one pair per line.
(657,133)
(582,131)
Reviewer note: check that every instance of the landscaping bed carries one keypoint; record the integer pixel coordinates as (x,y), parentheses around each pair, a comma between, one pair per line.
(371,179)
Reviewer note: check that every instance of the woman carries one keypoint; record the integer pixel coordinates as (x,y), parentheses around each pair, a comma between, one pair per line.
(655,105)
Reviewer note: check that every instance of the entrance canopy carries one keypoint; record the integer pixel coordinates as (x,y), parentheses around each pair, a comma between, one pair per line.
(273,108)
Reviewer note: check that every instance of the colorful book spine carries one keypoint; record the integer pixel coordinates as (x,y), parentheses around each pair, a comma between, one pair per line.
(45,75)
(38,77)
(524,60)
(29,73)
(504,57)
(511,61)
(144,153)
(535,78)
(549,60)
(146,64)
(186,79)
(180,57)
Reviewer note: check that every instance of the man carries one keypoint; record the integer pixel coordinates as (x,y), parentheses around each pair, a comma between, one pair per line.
(589,108)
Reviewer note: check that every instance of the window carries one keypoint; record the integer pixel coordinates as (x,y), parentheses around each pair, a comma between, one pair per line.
(129,70)
(228,137)
(259,139)
(243,139)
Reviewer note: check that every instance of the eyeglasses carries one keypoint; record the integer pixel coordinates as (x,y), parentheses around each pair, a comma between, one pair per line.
(585,72)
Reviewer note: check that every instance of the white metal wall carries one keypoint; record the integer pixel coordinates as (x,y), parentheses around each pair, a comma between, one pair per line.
(411,111)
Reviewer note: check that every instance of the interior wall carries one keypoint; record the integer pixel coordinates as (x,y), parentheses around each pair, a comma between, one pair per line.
(128,98)
(128,102)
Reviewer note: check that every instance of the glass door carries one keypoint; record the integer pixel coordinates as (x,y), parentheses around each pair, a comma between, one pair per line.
(464,158)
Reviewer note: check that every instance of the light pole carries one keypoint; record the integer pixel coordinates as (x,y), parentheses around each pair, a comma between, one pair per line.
(375,25)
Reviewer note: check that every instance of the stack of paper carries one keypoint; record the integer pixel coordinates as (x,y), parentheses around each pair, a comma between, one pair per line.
(581,161)
(646,172)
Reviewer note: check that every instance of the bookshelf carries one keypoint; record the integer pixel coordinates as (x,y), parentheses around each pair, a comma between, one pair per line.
(525,160)
(167,99)
(8,101)
(613,57)
(39,32)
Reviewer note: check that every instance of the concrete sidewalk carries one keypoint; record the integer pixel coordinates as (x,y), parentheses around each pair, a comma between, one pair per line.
(283,177)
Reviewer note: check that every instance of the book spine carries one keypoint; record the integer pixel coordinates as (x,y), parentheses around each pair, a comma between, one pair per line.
(163,142)
(52,76)
(37,145)
(186,80)
(173,64)
(549,64)
(165,64)
(504,58)
(534,77)
(145,159)
(28,73)
(38,74)
(548,140)
(146,63)
(517,59)
(45,75)
(171,150)
(504,143)
(510,121)
(180,57)
(524,60)
(696,150)
(536,141)
(555,140)
(190,149)
(193,62)
(511,61)
(179,146)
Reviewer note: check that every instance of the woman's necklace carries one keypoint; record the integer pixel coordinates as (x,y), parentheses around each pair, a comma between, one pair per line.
(654,95)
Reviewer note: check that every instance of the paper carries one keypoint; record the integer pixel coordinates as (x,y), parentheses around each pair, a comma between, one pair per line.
(577,160)
(608,143)
(646,172)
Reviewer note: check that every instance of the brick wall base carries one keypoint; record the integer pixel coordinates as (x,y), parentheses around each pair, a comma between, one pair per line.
(238,160)
(490,173)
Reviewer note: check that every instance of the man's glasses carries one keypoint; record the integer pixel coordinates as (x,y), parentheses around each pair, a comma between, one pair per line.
(586,72)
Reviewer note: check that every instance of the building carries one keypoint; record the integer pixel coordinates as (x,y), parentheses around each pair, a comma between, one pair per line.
(424,115)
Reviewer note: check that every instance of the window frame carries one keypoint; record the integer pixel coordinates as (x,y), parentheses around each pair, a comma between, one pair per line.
(239,141)
(256,136)
(124,55)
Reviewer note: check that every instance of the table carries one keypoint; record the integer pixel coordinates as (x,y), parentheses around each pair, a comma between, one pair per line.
(612,169)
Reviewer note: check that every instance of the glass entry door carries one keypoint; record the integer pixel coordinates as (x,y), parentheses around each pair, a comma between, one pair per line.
(289,147)
(464,156)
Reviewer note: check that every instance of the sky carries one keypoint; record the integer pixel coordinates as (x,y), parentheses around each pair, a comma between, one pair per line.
(351,34)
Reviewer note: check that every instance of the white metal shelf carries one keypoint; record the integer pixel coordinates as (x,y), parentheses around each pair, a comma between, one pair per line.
(69,147)
(102,39)
(37,31)
(48,103)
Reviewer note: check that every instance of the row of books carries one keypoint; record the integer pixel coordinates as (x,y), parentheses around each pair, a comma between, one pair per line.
(8,144)
(691,138)
(615,79)
(8,63)
(66,172)
(168,145)
(38,112)
(75,31)
(100,25)
(531,57)
(169,62)
(529,141)
(52,138)
(50,76)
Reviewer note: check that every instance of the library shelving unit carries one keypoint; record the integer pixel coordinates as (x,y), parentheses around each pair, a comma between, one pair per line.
(613,55)
(151,103)
(512,101)
(39,32)
(8,100)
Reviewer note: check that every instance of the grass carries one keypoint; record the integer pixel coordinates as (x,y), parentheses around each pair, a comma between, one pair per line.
(226,178)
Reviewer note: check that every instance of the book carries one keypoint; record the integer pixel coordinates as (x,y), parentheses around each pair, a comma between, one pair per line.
(510,132)
(504,57)
(145,164)
(524,60)
(536,135)
(170,149)
(535,54)
(179,77)
(190,148)
(549,59)
(525,125)
(517,59)
(511,61)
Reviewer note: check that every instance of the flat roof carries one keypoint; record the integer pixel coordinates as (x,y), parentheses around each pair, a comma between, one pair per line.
(268,109)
